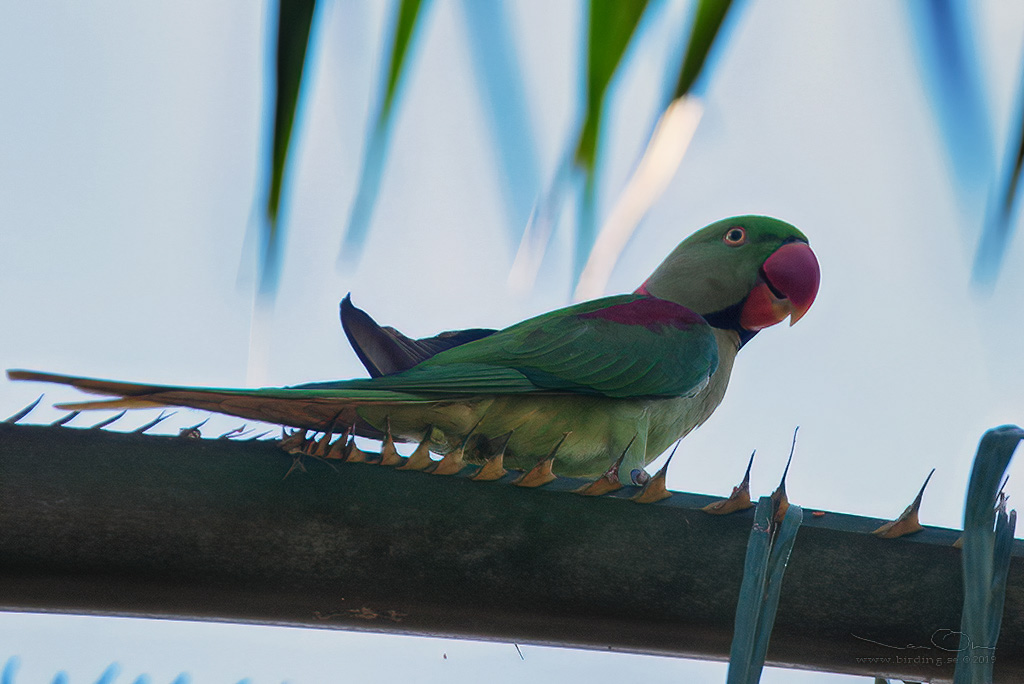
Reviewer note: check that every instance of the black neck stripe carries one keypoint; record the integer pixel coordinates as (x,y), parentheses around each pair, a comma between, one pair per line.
(729,319)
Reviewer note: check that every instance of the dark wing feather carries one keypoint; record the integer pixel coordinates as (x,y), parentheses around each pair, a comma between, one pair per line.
(385,351)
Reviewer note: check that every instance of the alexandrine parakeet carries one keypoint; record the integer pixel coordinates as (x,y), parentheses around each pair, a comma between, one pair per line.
(628,374)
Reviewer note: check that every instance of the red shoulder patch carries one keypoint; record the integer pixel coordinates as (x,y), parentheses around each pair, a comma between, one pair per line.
(650,312)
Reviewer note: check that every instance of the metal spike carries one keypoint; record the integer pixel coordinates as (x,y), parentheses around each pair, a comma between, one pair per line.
(454,461)
(255,437)
(153,423)
(239,431)
(389,455)
(908,522)
(655,490)
(339,450)
(420,458)
(292,443)
(66,419)
(739,500)
(321,447)
(779,498)
(541,474)
(104,423)
(494,467)
(357,455)
(609,482)
(24,412)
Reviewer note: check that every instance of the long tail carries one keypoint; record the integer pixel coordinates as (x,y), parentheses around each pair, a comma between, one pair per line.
(304,408)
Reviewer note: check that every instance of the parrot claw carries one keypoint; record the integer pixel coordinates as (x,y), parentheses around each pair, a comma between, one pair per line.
(389,455)
(908,522)
(541,474)
(420,458)
(655,490)
(739,500)
(609,482)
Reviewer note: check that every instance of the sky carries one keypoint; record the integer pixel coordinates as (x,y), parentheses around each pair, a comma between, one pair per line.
(130,169)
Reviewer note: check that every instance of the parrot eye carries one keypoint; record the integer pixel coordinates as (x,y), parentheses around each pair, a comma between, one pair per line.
(734,237)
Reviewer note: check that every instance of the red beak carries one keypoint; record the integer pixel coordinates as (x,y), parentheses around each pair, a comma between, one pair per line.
(787,286)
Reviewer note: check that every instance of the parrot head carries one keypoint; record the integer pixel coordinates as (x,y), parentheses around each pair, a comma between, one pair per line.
(743,273)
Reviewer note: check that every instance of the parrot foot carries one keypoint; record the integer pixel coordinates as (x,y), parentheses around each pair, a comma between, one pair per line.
(420,458)
(739,500)
(609,482)
(655,489)
(541,474)
(908,522)
(389,455)
(192,431)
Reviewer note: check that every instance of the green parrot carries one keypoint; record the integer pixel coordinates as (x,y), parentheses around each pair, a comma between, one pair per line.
(610,381)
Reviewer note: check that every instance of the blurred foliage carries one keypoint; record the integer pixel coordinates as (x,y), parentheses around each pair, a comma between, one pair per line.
(946,42)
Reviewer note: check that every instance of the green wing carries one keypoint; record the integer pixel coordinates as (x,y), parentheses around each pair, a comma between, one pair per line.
(621,347)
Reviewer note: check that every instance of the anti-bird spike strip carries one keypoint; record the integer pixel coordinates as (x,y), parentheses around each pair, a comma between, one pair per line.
(908,522)
(779,498)
(739,500)
(542,473)
(25,411)
(655,489)
(454,461)
(108,421)
(164,415)
(420,457)
(494,467)
(389,455)
(64,420)
(609,482)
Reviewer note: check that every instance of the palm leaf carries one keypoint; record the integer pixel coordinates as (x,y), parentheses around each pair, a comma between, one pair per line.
(986,556)
(1000,214)
(610,27)
(295,17)
(404,29)
(669,142)
(768,551)
(503,96)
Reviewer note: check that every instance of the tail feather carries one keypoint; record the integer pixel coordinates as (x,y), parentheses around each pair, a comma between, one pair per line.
(311,409)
